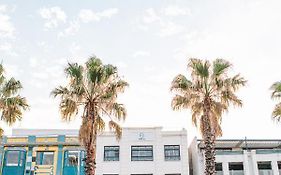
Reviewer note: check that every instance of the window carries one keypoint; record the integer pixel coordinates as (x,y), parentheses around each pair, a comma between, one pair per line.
(236,168)
(45,158)
(142,153)
(264,168)
(172,152)
(264,165)
(172,174)
(218,167)
(279,166)
(111,153)
(12,158)
(71,158)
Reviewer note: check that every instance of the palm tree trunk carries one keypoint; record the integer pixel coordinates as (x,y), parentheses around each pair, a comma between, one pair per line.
(90,163)
(209,141)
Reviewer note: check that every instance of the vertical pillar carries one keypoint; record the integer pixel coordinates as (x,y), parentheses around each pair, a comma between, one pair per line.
(2,152)
(29,169)
(254,162)
(61,140)
(246,165)
(225,168)
(274,166)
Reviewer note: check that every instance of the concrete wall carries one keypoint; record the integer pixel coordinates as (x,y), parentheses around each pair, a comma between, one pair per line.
(144,136)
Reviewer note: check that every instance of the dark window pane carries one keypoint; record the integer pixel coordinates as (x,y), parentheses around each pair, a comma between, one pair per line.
(71,158)
(236,166)
(264,165)
(12,158)
(45,158)
(172,152)
(218,166)
(142,153)
(111,153)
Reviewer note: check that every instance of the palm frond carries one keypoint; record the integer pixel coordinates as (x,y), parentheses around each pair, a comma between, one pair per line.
(220,67)
(11,87)
(118,110)
(95,70)
(199,68)
(115,127)
(75,72)
(60,91)
(276,114)
(180,84)
(99,124)
(1,133)
(68,109)
(276,90)
(180,102)
(12,109)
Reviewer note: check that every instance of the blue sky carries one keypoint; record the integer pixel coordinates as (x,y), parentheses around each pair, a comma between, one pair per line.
(150,42)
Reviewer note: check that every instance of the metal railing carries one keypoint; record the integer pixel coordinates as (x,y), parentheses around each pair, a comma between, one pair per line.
(220,152)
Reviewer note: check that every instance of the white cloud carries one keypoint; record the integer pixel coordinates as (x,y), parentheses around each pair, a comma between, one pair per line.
(53,16)
(74,48)
(150,16)
(141,53)
(175,11)
(33,62)
(72,29)
(86,15)
(12,70)
(108,13)
(163,20)
(7,29)
(3,8)
(5,47)
(169,29)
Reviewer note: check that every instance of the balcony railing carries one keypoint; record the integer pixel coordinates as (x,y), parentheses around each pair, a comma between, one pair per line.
(268,151)
(221,152)
(265,172)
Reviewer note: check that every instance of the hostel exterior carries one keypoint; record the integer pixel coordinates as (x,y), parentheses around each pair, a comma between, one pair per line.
(141,151)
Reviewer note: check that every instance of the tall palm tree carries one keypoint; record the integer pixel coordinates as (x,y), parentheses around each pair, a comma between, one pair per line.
(276,94)
(92,90)
(12,104)
(208,95)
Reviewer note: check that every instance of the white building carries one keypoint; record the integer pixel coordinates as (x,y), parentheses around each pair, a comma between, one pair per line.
(143,151)
(239,157)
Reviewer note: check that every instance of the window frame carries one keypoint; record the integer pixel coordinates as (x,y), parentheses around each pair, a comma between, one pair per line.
(172,158)
(136,158)
(108,158)
(41,159)
(262,163)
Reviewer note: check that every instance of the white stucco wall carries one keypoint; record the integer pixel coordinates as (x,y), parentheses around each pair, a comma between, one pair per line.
(149,136)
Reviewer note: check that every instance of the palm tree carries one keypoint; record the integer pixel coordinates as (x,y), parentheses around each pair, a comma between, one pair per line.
(92,90)
(208,95)
(12,104)
(276,94)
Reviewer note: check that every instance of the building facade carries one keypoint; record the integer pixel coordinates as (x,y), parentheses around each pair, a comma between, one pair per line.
(239,157)
(141,151)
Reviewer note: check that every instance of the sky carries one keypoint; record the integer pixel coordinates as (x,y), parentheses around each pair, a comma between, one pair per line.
(150,42)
